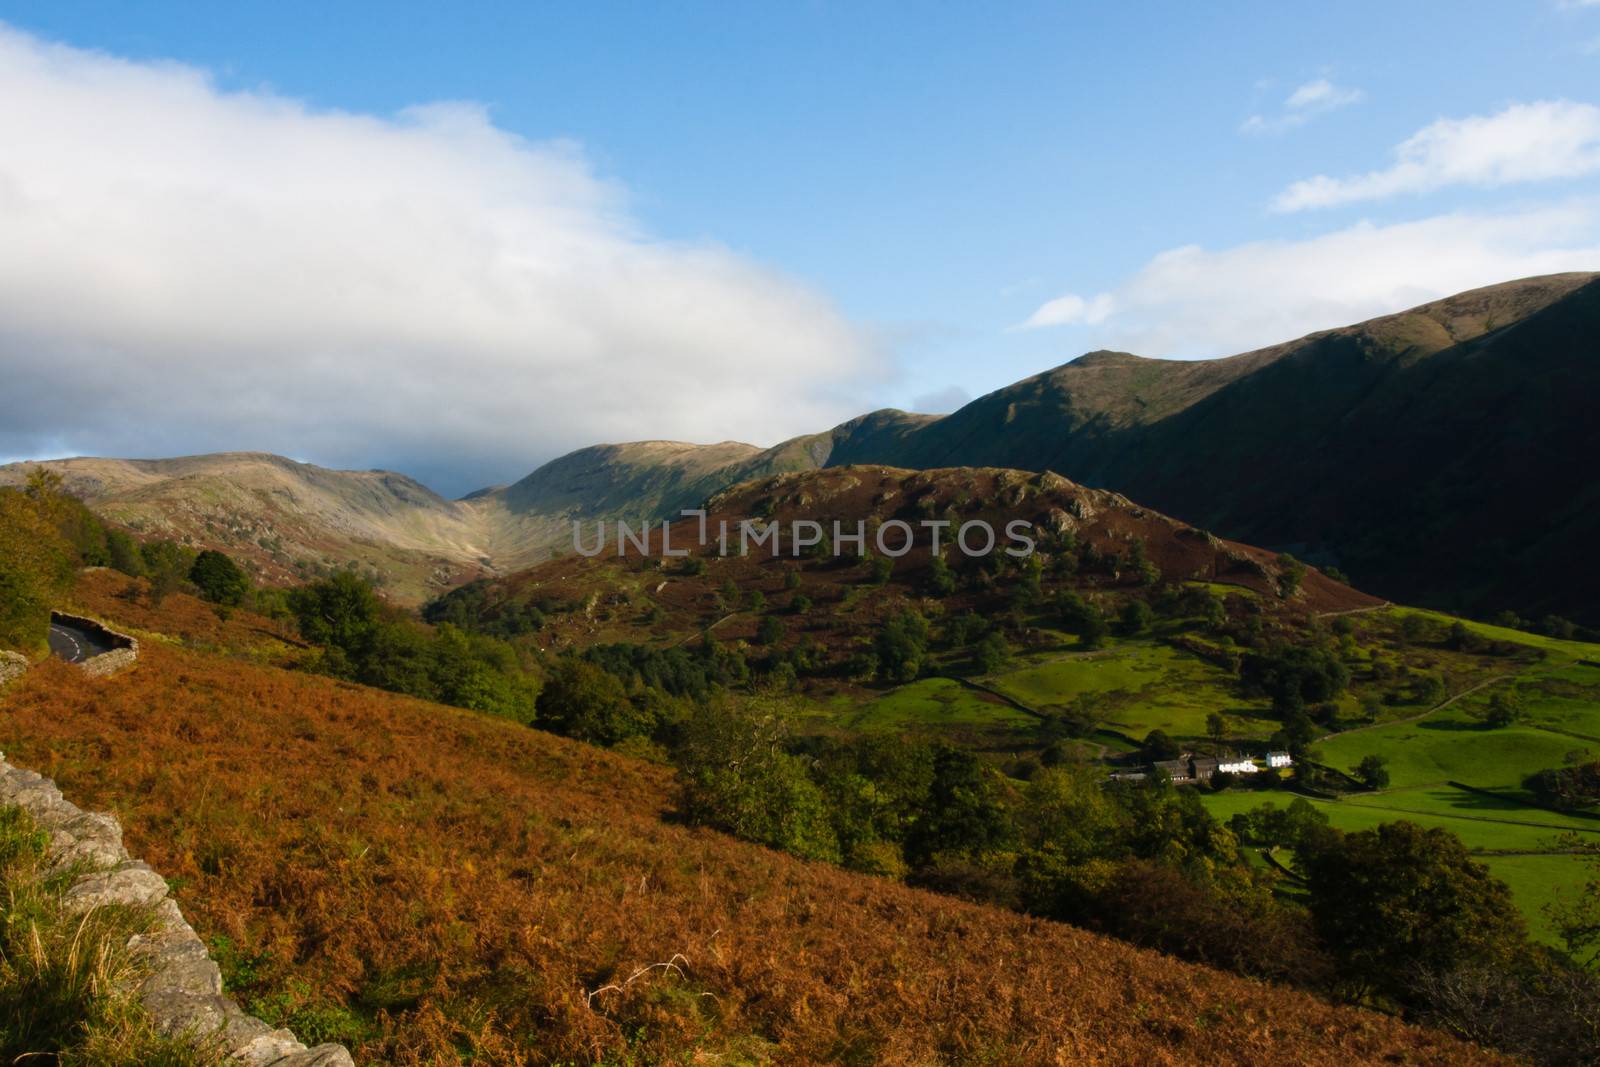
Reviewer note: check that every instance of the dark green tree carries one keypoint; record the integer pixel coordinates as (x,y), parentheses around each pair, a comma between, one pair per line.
(964,814)
(581,700)
(991,653)
(769,631)
(941,579)
(1373,770)
(1401,900)
(902,645)
(1158,746)
(340,612)
(1136,618)
(219,579)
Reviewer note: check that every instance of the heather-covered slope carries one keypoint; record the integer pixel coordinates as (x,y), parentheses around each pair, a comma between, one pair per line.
(439,887)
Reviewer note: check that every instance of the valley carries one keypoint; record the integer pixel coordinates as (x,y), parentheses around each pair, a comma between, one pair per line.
(860,730)
(1358,448)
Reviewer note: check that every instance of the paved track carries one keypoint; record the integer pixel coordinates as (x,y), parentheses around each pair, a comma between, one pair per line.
(74,645)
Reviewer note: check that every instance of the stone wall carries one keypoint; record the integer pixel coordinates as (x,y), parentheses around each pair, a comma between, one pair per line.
(124,647)
(183,991)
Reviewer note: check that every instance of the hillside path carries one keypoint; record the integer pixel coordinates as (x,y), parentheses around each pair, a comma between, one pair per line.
(1415,718)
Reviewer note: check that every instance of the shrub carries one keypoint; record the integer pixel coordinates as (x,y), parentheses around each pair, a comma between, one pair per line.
(769,631)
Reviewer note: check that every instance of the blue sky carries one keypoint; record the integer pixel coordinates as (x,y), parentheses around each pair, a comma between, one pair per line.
(937,174)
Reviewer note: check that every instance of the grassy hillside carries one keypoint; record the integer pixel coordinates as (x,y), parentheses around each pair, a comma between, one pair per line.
(435,886)
(1432,454)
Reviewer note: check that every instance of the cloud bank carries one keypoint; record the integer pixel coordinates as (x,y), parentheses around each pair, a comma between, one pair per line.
(1542,141)
(1191,302)
(185,269)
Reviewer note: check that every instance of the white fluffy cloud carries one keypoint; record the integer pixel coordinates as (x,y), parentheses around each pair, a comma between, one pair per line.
(1071,309)
(186,269)
(1191,302)
(1541,141)
(1304,104)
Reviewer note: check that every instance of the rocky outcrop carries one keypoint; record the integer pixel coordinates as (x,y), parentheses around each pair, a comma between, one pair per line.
(182,989)
(13,665)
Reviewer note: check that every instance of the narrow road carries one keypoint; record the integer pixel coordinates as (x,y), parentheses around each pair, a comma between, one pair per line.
(74,645)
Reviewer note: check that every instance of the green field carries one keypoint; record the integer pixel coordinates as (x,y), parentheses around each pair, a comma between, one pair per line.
(1536,882)
(1450,746)
(1143,686)
(1482,824)
(935,703)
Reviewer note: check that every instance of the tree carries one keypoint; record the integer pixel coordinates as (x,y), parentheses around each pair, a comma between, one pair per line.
(1291,572)
(1399,900)
(963,815)
(340,612)
(1373,770)
(756,600)
(941,579)
(991,653)
(1578,920)
(735,775)
(879,569)
(1136,618)
(1297,675)
(166,565)
(1093,632)
(901,645)
(769,631)
(1568,788)
(1556,626)
(1068,810)
(36,566)
(1502,710)
(1078,719)
(219,579)
(123,552)
(1158,746)
(584,701)
(799,603)
(1216,727)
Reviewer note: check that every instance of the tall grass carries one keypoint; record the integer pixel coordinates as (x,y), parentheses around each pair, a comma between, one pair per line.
(67,981)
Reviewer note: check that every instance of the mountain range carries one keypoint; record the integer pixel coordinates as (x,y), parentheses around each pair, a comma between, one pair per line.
(1437,456)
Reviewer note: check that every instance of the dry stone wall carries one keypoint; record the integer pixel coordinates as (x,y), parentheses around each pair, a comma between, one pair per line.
(183,989)
(124,647)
